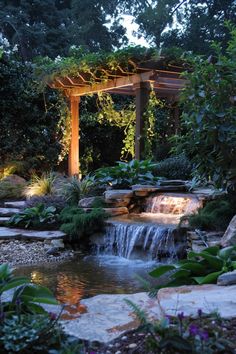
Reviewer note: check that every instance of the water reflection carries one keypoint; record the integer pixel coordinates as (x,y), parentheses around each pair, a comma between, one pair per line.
(88,276)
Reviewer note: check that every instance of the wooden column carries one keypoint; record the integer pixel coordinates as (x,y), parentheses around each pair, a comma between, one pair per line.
(73,160)
(142,91)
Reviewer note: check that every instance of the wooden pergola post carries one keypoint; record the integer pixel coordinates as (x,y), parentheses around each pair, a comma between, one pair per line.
(73,160)
(142,91)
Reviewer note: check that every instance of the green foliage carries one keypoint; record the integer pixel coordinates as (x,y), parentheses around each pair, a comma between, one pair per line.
(77,223)
(126,174)
(208,137)
(215,215)
(176,167)
(199,268)
(40,186)
(30,131)
(11,167)
(37,217)
(9,190)
(75,189)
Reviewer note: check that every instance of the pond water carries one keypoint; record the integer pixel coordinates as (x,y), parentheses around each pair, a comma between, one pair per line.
(89,276)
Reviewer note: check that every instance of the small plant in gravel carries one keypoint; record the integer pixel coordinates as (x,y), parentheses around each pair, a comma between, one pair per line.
(38,217)
(199,268)
(49,200)
(183,335)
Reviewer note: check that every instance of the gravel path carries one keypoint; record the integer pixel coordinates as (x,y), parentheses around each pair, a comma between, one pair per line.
(31,252)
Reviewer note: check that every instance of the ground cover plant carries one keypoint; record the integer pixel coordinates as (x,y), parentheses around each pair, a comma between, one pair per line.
(78,224)
(215,215)
(176,167)
(199,268)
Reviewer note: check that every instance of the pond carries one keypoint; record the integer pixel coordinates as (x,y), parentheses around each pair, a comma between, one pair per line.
(89,276)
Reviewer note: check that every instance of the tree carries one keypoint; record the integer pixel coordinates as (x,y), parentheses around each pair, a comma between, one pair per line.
(50,27)
(209,114)
(191,25)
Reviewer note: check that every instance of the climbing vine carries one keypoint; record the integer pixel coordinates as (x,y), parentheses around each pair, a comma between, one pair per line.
(149,117)
(123,118)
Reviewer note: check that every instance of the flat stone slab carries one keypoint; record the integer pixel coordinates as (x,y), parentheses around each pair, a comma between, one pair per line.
(108,316)
(228,278)
(188,299)
(116,211)
(9,233)
(118,194)
(9,211)
(229,237)
(15,204)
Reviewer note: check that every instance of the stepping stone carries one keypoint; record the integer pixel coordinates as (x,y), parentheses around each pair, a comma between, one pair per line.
(119,194)
(42,235)
(4,220)
(15,204)
(9,211)
(104,326)
(6,233)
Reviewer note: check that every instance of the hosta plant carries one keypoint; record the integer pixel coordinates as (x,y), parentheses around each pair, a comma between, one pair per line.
(39,216)
(126,174)
(199,268)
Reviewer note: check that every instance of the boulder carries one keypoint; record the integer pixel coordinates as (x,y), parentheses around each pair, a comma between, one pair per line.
(228,278)
(172,182)
(143,190)
(88,202)
(116,203)
(188,299)
(118,194)
(229,237)
(14,179)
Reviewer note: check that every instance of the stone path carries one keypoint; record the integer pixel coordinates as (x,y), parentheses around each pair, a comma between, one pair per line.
(11,208)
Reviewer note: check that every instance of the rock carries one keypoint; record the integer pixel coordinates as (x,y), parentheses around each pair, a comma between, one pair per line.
(14,179)
(88,202)
(6,232)
(143,190)
(118,318)
(132,346)
(116,211)
(118,194)
(228,278)
(9,211)
(58,243)
(229,237)
(116,203)
(17,204)
(188,299)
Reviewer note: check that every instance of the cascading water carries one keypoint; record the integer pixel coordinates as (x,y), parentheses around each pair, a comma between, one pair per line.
(151,234)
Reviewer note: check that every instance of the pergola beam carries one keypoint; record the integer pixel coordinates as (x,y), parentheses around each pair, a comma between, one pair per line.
(120,82)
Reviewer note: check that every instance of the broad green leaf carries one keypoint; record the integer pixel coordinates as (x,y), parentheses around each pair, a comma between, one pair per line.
(156,273)
(194,267)
(226,252)
(14,283)
(214,262)
(208,279)
(181,273)
(212,250)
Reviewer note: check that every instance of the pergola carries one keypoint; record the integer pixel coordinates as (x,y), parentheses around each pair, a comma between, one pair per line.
(165,79)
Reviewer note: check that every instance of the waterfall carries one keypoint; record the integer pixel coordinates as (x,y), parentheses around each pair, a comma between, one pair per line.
(172,204)
(128,240)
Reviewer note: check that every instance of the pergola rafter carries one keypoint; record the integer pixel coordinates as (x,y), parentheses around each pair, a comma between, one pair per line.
(165,80)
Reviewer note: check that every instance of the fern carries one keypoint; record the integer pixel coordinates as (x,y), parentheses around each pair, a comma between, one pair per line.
(141,314)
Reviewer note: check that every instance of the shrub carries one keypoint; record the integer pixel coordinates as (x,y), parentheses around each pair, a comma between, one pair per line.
(176,167)
(75,189)
(12,167)
(125,174)
(77,223)
(216,215)
(199,268)
(37,217)
(9,190)
(41,185)
(49,200)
